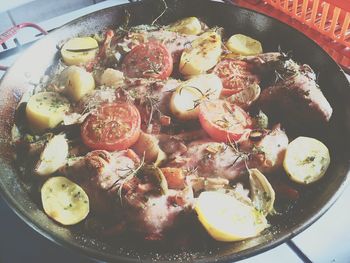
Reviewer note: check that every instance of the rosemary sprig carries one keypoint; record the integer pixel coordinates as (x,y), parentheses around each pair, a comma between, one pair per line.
(130,94)
(190,87)
(161,14)
(285,55)
(240,154)
(82,49)
(126,19)
(154,68)
(278,76)
(190,171)
(151,103)
(203,95)
(127,177)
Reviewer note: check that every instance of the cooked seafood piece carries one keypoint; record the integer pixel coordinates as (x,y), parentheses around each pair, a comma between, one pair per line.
(115,188)
(98,173)
(296,98)
(292,93)
(158,213)
(212,159)
(267,148)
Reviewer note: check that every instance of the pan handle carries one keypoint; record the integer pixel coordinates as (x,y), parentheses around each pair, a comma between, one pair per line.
(14,30)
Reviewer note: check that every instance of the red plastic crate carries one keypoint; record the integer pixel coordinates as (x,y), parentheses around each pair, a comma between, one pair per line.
(327,22)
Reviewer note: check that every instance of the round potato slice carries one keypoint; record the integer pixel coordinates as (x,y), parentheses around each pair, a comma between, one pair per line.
(186,98)
(45,110)
(243,45)
(64,201)
(190,26)
(227,219)
(79,50)
(306,160)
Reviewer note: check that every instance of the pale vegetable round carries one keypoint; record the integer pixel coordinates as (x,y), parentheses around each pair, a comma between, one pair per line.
(147,145)
(186,98)
(306,160)
(243,45)
(190,26)
(78,82)
(227,219)
(64,201)
(54,155)
(112,77)
(261,191)
(45,110)
(203,54)
(79,50)
(247,96)
(183,103)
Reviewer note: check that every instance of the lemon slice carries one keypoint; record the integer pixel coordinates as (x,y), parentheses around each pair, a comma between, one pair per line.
(306,160)
(244,45)
(64,201)
(227,219)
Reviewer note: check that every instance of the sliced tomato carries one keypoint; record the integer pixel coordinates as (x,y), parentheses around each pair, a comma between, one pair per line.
(148,60)
(235,75)
(224,121)
(114,126)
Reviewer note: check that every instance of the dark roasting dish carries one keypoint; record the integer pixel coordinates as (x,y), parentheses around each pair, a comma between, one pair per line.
(314,200)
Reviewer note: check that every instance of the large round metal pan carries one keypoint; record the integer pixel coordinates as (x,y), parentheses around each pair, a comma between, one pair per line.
(315,199)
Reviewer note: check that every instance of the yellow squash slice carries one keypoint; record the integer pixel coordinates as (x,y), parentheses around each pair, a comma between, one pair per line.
(64,201)
(306,160)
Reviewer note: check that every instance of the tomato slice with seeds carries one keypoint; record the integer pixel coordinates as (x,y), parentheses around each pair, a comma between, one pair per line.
(148,60)
(235,75)
(114,126)
(223,121)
